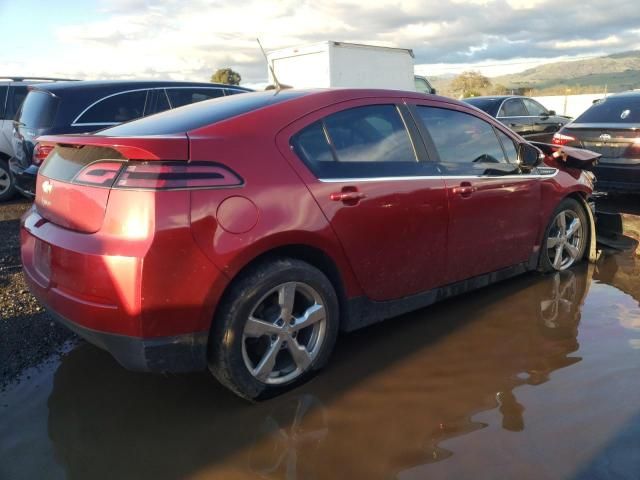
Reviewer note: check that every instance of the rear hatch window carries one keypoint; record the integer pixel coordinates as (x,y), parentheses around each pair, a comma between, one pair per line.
(38,110)
(623,110)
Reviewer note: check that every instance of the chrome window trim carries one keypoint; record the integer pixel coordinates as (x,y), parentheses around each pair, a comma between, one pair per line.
(95,124)
(75,121)
(438,177)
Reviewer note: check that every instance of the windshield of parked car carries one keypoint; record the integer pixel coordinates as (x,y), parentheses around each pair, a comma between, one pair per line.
(625,109)
(197,115)
(488,105)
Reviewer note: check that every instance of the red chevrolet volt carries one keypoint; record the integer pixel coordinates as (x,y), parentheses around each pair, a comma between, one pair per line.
(244,233)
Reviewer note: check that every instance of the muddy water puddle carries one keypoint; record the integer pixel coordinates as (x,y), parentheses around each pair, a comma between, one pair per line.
(537,377)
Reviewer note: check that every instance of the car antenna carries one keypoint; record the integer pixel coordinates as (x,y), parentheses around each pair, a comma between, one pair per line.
(273,73)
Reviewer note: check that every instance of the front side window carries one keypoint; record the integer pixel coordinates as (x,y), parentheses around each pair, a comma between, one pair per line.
(534,108)
(186,96)
(513,108)
(509,146)
(362,142)
(460,138)
(118,108)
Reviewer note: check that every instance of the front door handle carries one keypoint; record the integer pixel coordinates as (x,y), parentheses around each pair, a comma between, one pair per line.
(465,189)
(348,196)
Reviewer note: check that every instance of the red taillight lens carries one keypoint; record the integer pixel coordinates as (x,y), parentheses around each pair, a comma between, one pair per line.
(99,174)
(561,139)
(157,175)
(172,175)
(40,153)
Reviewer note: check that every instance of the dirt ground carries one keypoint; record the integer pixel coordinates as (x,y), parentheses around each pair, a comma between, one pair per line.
(28,335)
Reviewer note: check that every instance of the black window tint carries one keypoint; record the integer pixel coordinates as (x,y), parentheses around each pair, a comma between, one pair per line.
(534,108)
(509,147)
(513,108)
(185,96)
(461,138)
(38,110)
(613,110)
(157,102)
(3,99)
(488,105)
(368,142)
(118,108)
(14,100)
(200,115)
(231,91)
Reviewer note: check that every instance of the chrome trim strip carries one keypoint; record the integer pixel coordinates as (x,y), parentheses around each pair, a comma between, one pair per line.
(95,124)
(437,177)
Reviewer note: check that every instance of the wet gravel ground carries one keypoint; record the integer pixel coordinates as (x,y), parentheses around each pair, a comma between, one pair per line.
(28,335)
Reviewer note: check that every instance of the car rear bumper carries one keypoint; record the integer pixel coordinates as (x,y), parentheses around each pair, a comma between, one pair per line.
(181,353)
(25,178)
(133,302)
(617,178)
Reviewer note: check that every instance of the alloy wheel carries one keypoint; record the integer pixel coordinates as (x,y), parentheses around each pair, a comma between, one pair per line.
(284,333)
(564,242)
(5,180)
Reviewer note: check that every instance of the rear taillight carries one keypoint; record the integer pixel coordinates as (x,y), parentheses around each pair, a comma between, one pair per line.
(562,139)
(40,153)
(157,175)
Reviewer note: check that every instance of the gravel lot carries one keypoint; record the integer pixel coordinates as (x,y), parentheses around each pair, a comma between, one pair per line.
(28,335)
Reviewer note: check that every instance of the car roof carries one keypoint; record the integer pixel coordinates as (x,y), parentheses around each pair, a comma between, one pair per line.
(59,88)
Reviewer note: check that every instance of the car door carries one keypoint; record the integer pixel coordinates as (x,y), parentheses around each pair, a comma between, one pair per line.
(514,115)
(544,125)
(366,166)
(493,208)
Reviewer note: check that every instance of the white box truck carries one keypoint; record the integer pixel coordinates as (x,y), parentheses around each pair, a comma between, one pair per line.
(339,64)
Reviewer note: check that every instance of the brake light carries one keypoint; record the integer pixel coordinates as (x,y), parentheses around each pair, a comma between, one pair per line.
(40,153)
(561,139)
(157,175)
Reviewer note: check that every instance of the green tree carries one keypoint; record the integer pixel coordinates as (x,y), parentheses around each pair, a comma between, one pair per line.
(226,76)
(470,84)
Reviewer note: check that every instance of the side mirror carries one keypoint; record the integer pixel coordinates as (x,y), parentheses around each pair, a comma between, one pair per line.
(433,91)
(529,156)
(552,112)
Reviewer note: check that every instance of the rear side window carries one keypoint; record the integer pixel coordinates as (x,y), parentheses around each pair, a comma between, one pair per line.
(488,105)
(38,110)
(362,142)
(513,108)
(613,110)
(117,108)
(3,99)
(185,96)
(197,115)
(461,138)
(14,100)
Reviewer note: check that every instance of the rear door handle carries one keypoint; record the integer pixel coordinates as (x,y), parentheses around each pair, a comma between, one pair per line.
(465,189)
(348,196)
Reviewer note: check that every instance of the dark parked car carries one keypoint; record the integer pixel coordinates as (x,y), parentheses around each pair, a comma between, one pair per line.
(13,91)
(523,115)
(610,127)
(80,107)
(244,232)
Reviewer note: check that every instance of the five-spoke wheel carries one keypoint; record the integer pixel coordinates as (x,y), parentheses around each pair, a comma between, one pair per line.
(566,237)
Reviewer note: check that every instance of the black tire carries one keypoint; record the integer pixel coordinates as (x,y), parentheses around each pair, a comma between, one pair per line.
(6,193)
(227,348)
(572,208)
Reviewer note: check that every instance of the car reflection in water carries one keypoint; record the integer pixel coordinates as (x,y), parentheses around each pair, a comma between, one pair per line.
(388,400)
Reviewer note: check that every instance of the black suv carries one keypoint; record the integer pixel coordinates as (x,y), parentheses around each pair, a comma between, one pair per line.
(87,106)
(523,115)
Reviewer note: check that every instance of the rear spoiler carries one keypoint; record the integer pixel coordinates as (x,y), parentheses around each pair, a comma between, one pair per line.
(166,147)
(570,156)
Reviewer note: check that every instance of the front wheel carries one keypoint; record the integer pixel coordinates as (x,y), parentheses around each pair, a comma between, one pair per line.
(7,185)
(276,327)
(565,238)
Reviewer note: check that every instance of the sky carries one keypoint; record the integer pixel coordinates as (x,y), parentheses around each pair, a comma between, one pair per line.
(189,40)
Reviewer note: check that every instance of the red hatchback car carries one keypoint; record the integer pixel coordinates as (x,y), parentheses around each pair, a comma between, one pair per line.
(244,232)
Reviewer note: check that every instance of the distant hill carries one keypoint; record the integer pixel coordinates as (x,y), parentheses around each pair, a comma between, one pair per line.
(613,73)
(616,73)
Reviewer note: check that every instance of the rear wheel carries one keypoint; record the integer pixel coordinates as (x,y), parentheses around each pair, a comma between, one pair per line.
(7,186)
(276,328)
(566,237)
